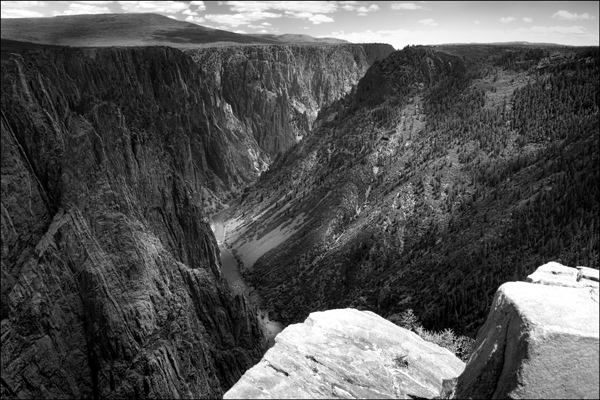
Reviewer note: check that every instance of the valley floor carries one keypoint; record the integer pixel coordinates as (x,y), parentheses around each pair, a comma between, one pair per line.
(230,269)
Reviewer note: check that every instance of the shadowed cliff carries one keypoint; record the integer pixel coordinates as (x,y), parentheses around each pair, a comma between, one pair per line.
(111,161)
(111,285)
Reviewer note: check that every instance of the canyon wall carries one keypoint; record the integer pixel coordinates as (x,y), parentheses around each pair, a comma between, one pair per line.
(111,161)
(275,92)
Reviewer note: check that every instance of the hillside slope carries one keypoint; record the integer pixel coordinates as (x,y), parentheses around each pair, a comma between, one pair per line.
(142,29)
(447,173)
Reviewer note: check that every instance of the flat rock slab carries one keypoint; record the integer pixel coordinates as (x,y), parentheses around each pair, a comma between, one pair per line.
(539,341)
(348,353)
(555,274)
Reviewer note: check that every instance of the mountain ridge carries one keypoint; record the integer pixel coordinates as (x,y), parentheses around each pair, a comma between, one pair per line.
(144,29)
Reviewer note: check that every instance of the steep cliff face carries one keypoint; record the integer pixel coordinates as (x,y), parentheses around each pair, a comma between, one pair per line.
(275,92)
(111,160)
(540,340)
(238,106)
(111,285)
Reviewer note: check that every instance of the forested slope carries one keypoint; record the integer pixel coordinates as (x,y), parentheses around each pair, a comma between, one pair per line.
(449,171)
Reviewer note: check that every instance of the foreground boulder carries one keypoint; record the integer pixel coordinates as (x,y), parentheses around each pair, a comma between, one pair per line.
(539,340)
(351,354)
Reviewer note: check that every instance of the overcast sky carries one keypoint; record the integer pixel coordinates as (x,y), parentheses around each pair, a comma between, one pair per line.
(397,23)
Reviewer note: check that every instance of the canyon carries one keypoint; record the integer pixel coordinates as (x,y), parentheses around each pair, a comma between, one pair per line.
(448,172)
(169,205)
(113,160)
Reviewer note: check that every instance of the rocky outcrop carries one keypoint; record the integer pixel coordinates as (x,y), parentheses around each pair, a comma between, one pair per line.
(540,339)
(555,274)
(348,353)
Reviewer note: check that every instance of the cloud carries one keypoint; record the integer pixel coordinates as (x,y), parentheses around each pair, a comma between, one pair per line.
(507,20)
(405,6)
(240,31)
(562,14)
(77,9)
(362,11)
(16,13)
(169,7)
(248,12)
(24,4)
(16,9)
(319,18)
(200,4)
(428,22)
(315,7)
(97,3)
(194,19)
(477,22)
(266,24)
(527,19)
(361,7)
(314,18)
(190,12)
(235,20)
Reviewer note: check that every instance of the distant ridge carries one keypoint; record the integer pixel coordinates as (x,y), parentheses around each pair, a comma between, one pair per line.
(516,43)
(298,38)
(147,29)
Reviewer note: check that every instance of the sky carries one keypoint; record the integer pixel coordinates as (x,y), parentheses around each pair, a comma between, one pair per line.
(397,23)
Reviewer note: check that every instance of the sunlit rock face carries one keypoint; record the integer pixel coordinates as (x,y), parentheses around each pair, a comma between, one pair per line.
(348,353)
(540,339)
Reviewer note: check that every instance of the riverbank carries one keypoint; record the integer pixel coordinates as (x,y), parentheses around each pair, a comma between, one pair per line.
(230,270)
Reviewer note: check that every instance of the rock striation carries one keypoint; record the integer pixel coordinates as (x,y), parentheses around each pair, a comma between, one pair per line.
(347,353)
(237,107)
(276,92)
(540,339)
(111,284)
(111,160)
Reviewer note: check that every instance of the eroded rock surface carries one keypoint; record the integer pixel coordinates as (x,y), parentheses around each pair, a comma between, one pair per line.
(111,161)
(539,340)
(348,353)
(111,285)
(555,274)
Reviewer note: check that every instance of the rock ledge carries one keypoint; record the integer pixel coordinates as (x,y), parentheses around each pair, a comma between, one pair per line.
(351,354)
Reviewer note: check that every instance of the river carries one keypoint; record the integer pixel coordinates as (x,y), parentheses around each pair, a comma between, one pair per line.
(230,269)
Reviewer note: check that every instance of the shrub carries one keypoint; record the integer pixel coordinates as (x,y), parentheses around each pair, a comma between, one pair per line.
(462,346)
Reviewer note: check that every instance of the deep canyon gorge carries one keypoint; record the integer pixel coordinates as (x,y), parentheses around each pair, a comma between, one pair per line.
(168,207)
(113,160)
